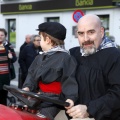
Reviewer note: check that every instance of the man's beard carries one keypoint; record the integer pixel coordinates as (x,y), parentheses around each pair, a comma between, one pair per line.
(89,49)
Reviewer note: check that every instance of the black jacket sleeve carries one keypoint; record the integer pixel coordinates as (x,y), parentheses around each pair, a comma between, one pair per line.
(69,83)
(108,105)
(22,61)
(9,47)
(30,79)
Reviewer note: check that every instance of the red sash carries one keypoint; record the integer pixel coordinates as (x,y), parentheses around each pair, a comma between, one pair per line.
(53,87)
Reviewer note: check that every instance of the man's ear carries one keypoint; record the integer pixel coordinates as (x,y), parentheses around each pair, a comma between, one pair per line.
(102,32)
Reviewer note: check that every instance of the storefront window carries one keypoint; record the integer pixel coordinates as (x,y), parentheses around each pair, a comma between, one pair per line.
(105,23)
(74,31)
(52,19)
(12,31)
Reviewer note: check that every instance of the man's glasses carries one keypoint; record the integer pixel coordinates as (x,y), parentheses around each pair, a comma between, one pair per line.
(37,40)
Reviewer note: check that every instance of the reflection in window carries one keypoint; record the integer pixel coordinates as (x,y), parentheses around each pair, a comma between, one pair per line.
(74,31)
(52,19)
(105,23)
(12,31)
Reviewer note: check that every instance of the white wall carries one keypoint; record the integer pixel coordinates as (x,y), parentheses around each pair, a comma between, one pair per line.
(28,23)
(115,31)
(114,23)
(2,23)
(67,20)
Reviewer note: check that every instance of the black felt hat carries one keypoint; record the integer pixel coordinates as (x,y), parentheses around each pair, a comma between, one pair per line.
(54,29)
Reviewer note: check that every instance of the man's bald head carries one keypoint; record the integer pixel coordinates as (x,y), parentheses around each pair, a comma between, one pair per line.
(28,38)
(91,19)
(90,33)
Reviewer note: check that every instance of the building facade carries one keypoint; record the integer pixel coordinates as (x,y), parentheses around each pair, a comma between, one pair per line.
(21,17)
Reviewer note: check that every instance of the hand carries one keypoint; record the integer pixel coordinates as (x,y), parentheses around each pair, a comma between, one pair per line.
(26,89)
(78,111)
(70,102)
(10,54)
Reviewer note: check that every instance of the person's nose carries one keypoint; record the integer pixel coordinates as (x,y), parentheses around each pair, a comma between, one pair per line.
(86,37)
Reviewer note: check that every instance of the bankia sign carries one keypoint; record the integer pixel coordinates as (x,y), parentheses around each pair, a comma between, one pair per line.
(53,5)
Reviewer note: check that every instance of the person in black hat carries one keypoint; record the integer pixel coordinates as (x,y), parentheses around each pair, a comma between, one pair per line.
(53,70)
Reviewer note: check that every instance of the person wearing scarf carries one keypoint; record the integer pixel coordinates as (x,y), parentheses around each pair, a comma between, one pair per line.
(53,70)
(7,58)
(98,73)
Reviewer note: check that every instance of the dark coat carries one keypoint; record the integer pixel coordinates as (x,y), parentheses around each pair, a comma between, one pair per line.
(98,77)
(8,46)
(27,56)
(21,48)
(60,67)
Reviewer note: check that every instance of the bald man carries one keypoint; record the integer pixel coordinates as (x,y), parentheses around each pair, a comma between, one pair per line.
(27,41)
(21,77)
(98,73)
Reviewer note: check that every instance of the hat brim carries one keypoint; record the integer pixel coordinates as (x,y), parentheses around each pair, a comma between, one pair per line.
(37,29)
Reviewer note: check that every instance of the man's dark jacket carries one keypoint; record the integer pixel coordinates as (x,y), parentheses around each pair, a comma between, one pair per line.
(98,77)
(21,48)
(27,56)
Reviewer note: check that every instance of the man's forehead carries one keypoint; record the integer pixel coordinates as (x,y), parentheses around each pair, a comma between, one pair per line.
(88,25)
(86,28)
